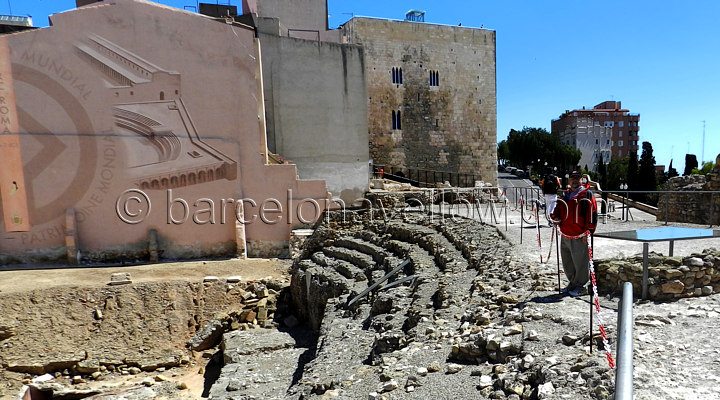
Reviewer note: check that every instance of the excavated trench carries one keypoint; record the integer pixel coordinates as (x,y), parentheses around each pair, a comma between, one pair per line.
(457,318)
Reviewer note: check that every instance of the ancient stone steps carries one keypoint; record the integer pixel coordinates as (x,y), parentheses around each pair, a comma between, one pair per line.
(345,268)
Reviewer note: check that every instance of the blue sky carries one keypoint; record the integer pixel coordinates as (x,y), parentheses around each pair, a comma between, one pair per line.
(661,59)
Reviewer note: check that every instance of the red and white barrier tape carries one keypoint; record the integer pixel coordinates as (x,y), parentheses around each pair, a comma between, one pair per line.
(596,300)
(552,238)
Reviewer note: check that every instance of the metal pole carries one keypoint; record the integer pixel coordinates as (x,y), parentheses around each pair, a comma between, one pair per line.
(624,372)
(591,316)
(712,202)
(522,218)
(646,245)
(506,211)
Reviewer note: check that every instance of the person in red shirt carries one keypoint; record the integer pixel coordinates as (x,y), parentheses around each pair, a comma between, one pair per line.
(576,216)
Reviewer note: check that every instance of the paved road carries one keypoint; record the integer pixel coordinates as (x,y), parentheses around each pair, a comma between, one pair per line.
(516,187)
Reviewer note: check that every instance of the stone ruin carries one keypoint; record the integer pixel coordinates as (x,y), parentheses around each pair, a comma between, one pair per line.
(691,207)
(668,277)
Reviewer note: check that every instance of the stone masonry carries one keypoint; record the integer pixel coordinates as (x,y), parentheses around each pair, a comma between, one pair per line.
(690,207)
(448,125)
(669,277)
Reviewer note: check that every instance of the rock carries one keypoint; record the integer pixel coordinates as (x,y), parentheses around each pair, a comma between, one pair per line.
(422,371)
(120,278)
(208,336)
(211,278)
(673,287)
(569,340)
(513,330)
(234,279)
(694,262)
(485,381)
(87,366)
(546,390)
(390,385)
(453,368)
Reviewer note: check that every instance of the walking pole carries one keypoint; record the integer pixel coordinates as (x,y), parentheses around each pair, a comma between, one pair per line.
(557,248)
(522,218)
(537,223)
(590,293)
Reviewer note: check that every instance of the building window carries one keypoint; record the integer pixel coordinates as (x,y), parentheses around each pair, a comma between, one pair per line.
(397,76)
(597,141)
(608,141)
(620,134)
(608,124)
(620,143)
(396,120)
(434,78)
(620,124)
(619,153)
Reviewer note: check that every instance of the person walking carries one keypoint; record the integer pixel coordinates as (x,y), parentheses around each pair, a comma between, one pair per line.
(576,216)
(550,185)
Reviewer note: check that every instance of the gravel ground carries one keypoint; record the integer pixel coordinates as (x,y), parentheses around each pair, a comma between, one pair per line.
(675,356)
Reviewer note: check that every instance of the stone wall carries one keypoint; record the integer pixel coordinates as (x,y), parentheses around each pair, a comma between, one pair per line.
(691,207)
(449,125)
(668,277)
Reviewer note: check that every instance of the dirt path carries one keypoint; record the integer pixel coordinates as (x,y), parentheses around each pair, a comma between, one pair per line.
(23,279)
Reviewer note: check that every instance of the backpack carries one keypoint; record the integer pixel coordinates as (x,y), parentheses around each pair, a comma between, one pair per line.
(550,185)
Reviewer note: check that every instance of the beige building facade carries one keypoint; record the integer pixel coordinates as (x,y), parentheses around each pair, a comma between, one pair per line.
(432,96)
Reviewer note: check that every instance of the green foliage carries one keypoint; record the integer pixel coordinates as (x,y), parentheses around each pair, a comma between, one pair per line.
(503,152)
(632,172)
(527,146)
(706,168)
(602,174)
(617,172)
(647,179)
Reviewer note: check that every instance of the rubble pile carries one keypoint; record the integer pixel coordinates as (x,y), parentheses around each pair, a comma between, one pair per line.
(457,318)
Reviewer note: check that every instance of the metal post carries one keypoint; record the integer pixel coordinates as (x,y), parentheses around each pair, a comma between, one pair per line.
(645,271)
(506,211)
(591,316)
(624,349)
(672,244)
(712,206)
(522,219)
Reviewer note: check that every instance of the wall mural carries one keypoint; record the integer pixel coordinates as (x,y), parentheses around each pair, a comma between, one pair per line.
(132,97)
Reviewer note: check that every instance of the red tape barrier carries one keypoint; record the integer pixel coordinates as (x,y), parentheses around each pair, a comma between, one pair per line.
(596,300)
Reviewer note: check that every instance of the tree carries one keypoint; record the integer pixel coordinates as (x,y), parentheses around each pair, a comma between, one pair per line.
(647,179)
(617,172)
(527,146)
(632,171)
(503,152)
(672,172)
(602,173)
(690,164)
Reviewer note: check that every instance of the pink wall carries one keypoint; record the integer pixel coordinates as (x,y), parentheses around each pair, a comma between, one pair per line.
(157,103)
